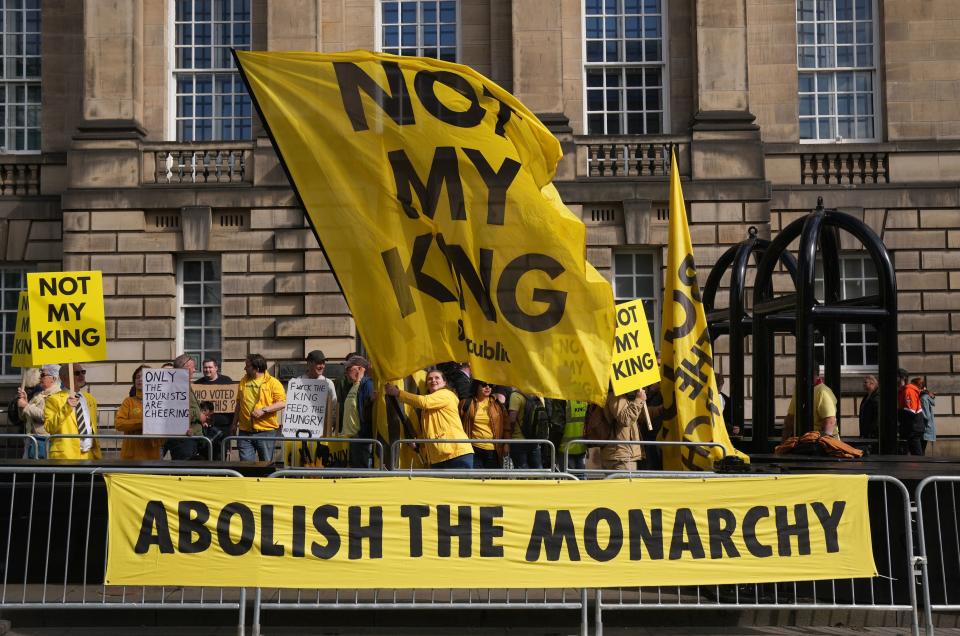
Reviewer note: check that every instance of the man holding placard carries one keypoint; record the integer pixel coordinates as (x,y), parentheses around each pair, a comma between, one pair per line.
(69,413)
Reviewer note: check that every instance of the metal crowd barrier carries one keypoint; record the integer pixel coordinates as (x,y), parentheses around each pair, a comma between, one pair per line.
(227,447)
(137,436)
(55,551)
(892,590)
(586,472)
(442,599)
(29,441)
(938,529)
(395,448)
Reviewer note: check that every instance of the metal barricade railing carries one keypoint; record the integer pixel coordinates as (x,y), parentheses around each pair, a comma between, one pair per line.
(54,556)
(29,442)
(442,599)
(395,447)
(279,441)
(586,472)
(937,501)
(892,590)
(135,437)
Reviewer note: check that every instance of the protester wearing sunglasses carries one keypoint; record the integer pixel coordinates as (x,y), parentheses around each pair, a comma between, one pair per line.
(67,413)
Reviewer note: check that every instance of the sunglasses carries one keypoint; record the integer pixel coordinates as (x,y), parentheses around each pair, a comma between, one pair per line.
(81,372)
(484,385)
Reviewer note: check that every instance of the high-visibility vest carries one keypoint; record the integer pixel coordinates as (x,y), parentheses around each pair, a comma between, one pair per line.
(573,428)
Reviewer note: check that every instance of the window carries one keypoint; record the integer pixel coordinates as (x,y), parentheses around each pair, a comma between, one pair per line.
(636,274)
(20,75)
(625,56)
(200,303)
(12,282)
(836,58)
(858,278)
(426,28)
(211,101)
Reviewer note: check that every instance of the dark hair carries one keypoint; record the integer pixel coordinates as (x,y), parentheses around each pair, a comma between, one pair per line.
(475,385)
(207,405)
(258,362)
(138,370)
(206,360)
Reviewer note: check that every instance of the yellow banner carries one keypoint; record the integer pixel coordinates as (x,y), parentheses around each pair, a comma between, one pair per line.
(691,400)
(421,533)
(21,338)
(66,317)
(634,356)
(429,188)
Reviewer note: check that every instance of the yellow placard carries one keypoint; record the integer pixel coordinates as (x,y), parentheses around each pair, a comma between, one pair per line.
(634,356)
(21,339)
(223,396)
(66,317)
(451,533)
(429,187)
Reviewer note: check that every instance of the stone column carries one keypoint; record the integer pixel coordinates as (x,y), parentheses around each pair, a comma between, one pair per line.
(726,142)
(538,55)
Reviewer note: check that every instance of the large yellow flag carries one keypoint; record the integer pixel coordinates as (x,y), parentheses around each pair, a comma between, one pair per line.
(691,400)
(429,188)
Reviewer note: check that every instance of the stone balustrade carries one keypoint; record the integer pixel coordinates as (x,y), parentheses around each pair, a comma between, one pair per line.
(19,179)
(630,156)
(198,164)
(844,167)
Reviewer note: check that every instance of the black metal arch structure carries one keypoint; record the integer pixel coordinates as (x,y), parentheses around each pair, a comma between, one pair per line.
(801,314)
(735,321)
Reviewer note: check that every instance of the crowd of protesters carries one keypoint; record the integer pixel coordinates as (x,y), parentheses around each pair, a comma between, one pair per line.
(490,426)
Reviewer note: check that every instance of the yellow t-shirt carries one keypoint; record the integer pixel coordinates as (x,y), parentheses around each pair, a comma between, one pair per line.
(824,406)
(251,394)
(481,424)
(517,400)
(351,416)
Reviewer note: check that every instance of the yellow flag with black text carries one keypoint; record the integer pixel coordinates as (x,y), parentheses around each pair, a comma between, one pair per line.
(429,189)
(691,400)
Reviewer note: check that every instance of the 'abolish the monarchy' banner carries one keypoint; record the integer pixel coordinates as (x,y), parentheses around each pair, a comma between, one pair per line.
(436,533)
(429,187)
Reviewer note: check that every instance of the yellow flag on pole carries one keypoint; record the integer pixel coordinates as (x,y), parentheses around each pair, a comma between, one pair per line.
(691,400)
(429,189)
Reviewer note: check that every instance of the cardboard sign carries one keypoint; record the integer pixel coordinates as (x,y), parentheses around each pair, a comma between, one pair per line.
(66,317)
(22,356)
(166,401)
(306,408)
(223,396)
(634,356)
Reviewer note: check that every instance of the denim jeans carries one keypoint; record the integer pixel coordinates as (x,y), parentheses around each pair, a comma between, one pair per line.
(526,456)
(485,458)
(464,461)
(260,444)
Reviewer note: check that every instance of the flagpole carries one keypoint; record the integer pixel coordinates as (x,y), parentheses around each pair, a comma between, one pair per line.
(73,391)
(646,416)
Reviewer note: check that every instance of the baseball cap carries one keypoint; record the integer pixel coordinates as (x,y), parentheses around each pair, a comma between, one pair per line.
(316,356)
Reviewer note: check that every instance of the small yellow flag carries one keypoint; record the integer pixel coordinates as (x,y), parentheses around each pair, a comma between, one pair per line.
(691,400)
(429,188)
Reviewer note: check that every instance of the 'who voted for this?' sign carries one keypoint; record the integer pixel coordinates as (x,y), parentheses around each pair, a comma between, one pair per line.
(21,339)
(66,317)
(634,356)
(306,408)
(166,401)
(223,396)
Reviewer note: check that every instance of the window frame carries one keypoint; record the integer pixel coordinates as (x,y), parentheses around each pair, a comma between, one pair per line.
(873,70)
(172,93)
(848,369)
(378,28)
(11,83)
(665,127)
(182,307)
(4,269)
(656,253)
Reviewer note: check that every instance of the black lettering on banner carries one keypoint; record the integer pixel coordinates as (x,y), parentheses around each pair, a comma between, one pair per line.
(154,528)
(554,299)
(299,534)
(750,520)
(321,521)
(689,317)
(688,454)
(721,522)
(403,278)
(444,170)
(651,535)
(615,540)
(498,182)
(247,529)
(687,272)
(550,538)
(830,522)
(463,530)
(268,547)
(416,514)
(373,533)
(352,79)
(686,537)
(477,282)
(503,114)
(66,286)
(799,529)
(192,515)
(489,531)
(424,83)
(61,313)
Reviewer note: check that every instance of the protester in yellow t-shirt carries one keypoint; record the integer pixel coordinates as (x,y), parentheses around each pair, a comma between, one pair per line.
(483,418)
(824,412)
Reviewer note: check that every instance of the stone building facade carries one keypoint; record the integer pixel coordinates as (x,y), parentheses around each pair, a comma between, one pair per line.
(130,148)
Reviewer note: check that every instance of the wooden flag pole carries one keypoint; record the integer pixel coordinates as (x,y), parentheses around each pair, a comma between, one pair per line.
(23,379)
(73,392)
(646,416)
